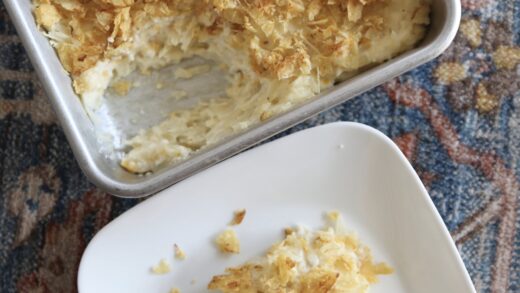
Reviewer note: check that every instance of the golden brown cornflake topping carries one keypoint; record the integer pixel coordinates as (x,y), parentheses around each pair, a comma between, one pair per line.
(85,32)
(283,37)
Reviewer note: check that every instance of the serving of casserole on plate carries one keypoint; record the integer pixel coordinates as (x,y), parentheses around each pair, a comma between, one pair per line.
(171,87)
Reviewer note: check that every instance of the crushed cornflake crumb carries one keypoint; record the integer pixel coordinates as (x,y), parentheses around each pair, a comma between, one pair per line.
(175,290)
(179,253)
(238,217)
(163,267)
(159,85)
(227,241)
(326,260)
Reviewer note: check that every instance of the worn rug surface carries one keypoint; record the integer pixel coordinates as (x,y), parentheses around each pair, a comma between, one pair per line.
(457,119)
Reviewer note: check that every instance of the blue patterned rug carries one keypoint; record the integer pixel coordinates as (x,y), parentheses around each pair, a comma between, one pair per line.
(457,119)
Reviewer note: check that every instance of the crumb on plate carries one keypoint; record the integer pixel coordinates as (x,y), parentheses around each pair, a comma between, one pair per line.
(238,217)
(163,267)
(179,253)
(227,241)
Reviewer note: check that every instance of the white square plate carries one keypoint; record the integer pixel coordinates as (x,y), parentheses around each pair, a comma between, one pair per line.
(343,166)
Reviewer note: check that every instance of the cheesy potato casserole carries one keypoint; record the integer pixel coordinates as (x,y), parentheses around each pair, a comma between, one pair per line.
(276,54)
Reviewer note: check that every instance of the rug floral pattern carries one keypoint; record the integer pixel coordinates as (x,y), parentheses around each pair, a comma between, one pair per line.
(457,119)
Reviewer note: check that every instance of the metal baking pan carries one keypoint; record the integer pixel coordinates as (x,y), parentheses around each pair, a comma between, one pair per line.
(103,168)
